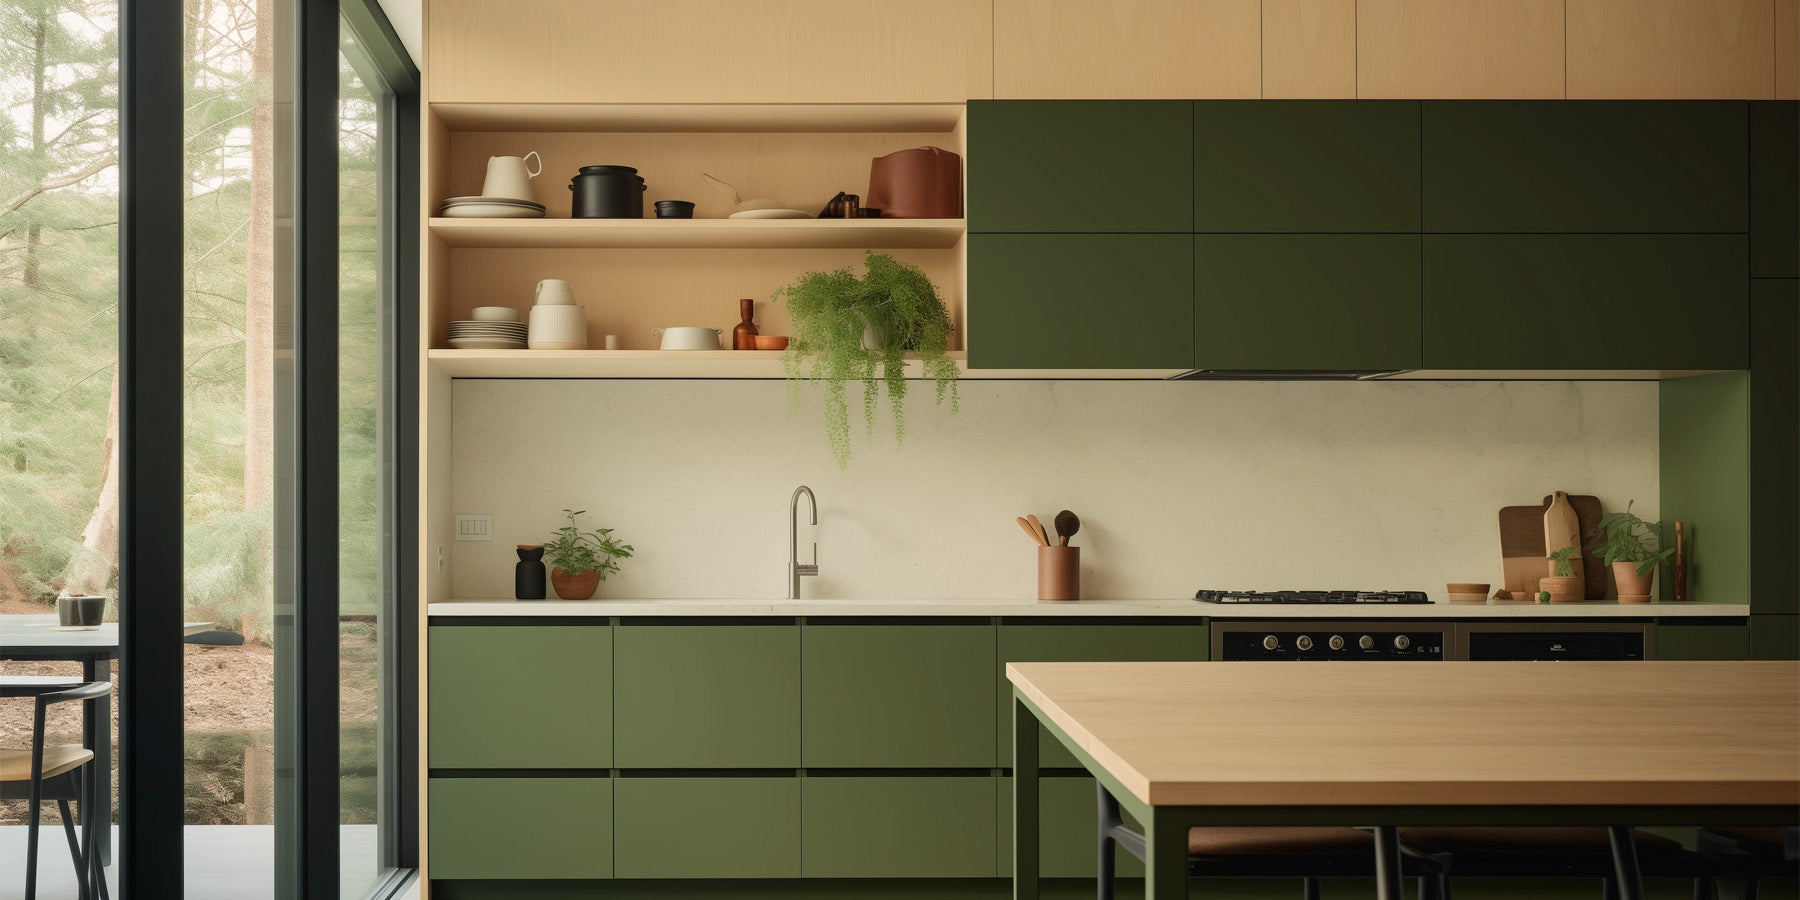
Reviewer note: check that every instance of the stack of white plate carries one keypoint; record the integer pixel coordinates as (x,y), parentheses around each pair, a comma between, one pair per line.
(492,208)
(487,335)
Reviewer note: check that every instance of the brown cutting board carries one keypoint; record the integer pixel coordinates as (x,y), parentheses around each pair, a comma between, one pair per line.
(1522,546)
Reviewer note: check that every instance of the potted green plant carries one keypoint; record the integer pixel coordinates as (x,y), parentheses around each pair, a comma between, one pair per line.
(580,560)
(1563,585)
(846,328)
(1632,547)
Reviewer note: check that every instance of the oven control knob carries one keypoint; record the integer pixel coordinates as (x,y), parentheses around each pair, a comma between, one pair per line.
(1303,642)
(1271,642)
(1366,642)
(1336,642)
(1401,642)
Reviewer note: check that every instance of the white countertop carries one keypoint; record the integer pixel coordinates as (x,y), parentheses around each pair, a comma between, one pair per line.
(1027,607)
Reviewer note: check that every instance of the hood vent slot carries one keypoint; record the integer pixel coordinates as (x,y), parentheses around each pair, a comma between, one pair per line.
(1286,374)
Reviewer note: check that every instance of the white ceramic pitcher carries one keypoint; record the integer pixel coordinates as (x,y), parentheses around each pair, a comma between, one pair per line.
(554,292)
(510,177)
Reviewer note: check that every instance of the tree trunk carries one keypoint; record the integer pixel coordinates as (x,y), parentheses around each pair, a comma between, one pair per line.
(92,569)
(39,112)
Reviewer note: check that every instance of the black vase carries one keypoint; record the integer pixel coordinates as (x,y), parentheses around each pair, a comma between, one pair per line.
(528,575)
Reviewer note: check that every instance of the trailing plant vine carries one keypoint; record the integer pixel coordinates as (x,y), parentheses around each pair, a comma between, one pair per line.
(899,308)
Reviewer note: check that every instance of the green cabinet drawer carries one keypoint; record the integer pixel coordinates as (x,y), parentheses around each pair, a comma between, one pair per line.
(1775,188)
(520,696)
(1086,641)
(1774,637)
(1627,166)
(1081,301)
(1330,166)
(897,696)
(1597,301)
(1067,813)
(1307,301)
(520,827)
(1039,166)
(1702,641)
(707,696)
(898,827)
(707,827)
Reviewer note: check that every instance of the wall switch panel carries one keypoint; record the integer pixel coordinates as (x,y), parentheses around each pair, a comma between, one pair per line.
(474,528)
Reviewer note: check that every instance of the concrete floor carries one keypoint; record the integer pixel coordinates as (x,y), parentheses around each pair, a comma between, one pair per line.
(224,862)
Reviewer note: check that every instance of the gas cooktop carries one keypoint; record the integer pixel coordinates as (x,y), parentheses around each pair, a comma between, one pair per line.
(1206,596)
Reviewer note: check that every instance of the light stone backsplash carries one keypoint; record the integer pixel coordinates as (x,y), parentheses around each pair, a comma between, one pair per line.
(1179,485)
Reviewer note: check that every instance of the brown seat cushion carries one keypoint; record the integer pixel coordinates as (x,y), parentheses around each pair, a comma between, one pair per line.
(15,765)
(1766,841)
(1557,840)
(1269,841)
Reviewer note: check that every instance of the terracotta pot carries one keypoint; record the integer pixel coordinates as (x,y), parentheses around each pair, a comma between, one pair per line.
(1632,589)
(1562,588)
(574,587)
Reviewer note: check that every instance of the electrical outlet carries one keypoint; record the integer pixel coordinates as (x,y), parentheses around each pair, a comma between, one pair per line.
(474,528)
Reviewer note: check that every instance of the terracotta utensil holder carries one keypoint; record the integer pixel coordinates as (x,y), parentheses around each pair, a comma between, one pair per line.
(1059,573)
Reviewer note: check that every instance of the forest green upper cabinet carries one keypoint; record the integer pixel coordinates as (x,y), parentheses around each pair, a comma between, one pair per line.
(1326,166)
(708,696)
(1601,301)
(1775,189)
(1307,301)
(1081,301)
(912,696)
(520,696)
(1087,166)
(1624,166)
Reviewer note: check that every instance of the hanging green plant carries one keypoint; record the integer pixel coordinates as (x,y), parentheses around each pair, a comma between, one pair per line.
(846,328)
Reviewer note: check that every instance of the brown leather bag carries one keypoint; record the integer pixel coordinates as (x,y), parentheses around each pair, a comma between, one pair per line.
(925,183)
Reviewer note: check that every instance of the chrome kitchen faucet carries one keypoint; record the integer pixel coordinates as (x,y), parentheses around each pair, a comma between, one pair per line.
(795,567)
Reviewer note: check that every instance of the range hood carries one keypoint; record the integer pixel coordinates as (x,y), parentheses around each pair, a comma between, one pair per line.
(1286,374)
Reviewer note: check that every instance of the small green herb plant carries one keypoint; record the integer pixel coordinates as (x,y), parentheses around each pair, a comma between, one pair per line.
(575,551)
(1624,537)
(1560,559)
(828,313)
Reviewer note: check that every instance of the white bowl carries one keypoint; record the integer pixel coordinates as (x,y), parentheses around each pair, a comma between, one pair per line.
(688,337)
(494,314)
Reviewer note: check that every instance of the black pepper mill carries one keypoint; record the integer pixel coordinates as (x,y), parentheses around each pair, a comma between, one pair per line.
(528,575)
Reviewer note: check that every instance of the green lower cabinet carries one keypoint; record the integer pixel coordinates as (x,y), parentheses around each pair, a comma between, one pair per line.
(1081,301)
(1775,637)
(1724,640)
(707,827)
(1067,830)
(520,827)
(1087,641)
(1307,301)
(897,696)
(520,696)
(707,696)
(1586,301)
(898,827)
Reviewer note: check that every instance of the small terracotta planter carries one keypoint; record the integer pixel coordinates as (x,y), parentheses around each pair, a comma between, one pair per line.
(1632,589)
(574,587)
(1562,588)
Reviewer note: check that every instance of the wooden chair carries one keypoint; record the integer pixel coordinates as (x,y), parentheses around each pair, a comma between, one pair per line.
(1748,855)
(61,773)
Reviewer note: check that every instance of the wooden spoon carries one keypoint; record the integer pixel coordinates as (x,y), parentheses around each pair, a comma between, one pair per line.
(1043,536)
(1067,523)
(1035,537)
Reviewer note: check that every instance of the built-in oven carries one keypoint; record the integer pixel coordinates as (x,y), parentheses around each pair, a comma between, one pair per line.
(1289,639)
(1554,640)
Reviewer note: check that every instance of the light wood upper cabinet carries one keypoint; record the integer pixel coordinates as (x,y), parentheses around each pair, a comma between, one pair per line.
(1671,49)
(1308,49)
(707,51)
(1459,49)
(1127,49)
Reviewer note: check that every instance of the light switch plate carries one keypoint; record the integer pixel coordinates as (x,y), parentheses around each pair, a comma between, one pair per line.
(474,528)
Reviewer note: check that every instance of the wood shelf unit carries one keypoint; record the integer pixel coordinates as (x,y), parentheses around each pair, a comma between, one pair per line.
(702,364)
(717,234)
(692,118)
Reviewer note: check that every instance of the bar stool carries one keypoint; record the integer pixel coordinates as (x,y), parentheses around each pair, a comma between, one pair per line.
(1554,852)
(61,773)
(1752,854)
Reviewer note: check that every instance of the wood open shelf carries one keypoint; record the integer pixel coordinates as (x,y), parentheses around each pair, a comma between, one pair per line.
(744,118)
(758,234)
(711,364)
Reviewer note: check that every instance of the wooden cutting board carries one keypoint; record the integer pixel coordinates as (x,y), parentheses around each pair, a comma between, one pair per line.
(1522,547)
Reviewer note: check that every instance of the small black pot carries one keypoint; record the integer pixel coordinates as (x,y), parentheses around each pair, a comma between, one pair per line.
(674,209)
(607,192)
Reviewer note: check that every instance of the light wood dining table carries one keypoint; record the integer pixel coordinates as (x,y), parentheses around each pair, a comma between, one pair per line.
(1381,745)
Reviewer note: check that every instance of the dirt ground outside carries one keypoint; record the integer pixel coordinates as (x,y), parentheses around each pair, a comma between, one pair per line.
(229,713)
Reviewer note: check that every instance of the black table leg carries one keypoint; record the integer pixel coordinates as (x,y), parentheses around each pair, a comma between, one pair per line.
(1388,884)
(1625,862)
(96,735)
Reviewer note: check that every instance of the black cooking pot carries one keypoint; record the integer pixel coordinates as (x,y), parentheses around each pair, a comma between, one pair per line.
(607,192)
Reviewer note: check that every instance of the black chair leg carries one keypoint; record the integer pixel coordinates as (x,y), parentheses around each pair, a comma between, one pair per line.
(75,845)
(1606,890)
(1703,888)
(1309,888)
(31,839)
(1750,885)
